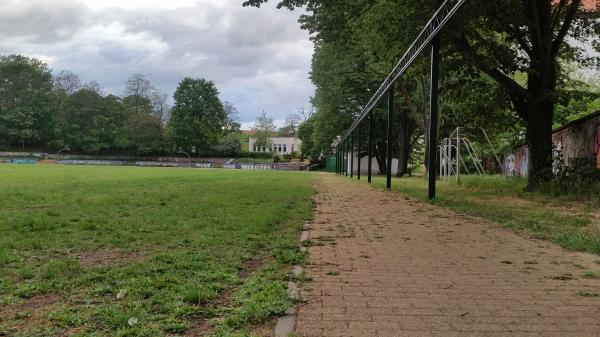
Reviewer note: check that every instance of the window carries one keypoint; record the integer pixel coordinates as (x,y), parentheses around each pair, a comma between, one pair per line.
(284,148)
(293,147)
(254,148)
(279,147)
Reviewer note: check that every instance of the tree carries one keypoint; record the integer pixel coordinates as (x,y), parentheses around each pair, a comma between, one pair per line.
(27,102)
(232,123)
(198,115)
(160,108)
(67,82)
(499,38)
(290,126)
(140,89)
(502,38)
(306,132)
(264,128)
(93,122)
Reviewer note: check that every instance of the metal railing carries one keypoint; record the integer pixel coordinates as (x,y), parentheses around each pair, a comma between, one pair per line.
(429,36)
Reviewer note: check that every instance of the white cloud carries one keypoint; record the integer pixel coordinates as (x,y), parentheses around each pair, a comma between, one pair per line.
(259,58)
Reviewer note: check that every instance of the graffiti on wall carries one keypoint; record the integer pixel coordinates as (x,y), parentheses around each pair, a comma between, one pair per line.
(521,161)
(509,164)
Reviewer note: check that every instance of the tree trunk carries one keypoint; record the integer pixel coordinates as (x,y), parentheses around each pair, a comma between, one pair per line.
(380,158)
(539,140)
(403,142)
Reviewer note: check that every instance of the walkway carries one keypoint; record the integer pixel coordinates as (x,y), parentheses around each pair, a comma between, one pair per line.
(385,266)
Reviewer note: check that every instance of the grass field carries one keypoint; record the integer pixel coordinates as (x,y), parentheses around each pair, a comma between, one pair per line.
(573,224)
(122,251)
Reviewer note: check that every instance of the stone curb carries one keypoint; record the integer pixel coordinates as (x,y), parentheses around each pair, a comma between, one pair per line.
(286,323)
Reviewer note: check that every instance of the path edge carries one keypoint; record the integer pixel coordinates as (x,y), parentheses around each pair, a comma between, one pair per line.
(286,324)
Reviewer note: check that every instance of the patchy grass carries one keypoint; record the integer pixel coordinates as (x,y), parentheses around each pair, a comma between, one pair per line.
(572,224)
(123,251)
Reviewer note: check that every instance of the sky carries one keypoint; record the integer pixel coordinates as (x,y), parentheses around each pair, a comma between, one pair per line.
(258,58)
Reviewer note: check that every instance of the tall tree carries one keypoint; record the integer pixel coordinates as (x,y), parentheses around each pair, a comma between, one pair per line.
(27,101)
(264,128)
(505,37)
(231,123)
(198,115)
(93,122)
(500,38)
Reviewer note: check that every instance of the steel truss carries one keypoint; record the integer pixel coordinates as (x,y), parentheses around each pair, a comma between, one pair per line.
(429,37)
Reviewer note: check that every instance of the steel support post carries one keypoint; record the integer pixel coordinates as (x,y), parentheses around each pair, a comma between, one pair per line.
(370,155)
(359,158)
(337,160)
(388,138)
(352,155)
(343,159)
(433,115)
(346,160)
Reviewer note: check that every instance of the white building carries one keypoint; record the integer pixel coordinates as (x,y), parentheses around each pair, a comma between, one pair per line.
(279,145)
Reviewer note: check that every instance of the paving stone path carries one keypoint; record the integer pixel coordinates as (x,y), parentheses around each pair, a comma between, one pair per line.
(382,265)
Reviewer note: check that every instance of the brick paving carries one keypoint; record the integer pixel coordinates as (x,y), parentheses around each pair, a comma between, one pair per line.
(385,266)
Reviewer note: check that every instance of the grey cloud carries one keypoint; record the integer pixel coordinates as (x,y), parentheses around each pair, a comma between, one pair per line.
(41,21)
(259,58)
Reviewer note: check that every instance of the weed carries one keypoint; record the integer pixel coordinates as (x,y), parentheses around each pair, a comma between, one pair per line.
(563,277)
(587,294)
(591,275)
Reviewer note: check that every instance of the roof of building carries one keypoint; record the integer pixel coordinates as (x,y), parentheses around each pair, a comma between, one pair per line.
(586,5)
(578,121)
(589,5)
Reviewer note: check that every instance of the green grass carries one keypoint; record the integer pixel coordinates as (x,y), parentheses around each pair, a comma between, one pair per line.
(563,221)
(146,251)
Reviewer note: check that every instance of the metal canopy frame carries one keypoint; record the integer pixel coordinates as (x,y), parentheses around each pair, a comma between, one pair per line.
(429,37)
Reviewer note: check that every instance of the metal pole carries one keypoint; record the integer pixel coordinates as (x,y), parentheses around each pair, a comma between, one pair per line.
(343,159)
(458,155)
(370,145)
(433,114)
(337,160)
(346,160)
(359,158)
(352,155)
(389,137)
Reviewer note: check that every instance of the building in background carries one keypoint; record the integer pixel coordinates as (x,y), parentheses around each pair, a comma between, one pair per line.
(279,145)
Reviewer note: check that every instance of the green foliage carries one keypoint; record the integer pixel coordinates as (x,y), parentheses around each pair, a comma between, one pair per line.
(161,246)
(264,129)
(580,179)
(198,115)
(26,101)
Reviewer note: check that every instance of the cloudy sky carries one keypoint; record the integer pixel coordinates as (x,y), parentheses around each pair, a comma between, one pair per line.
(259,58)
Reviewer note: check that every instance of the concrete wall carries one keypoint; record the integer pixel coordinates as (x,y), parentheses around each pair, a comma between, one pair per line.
(364,168)
(579,140)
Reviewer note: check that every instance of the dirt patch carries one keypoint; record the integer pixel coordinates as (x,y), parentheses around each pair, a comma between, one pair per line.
(250,266)
(264,330)
(199,328)
(105,256)
(29,314)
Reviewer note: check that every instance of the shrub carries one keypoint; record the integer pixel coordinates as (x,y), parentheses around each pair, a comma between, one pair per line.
(579,179)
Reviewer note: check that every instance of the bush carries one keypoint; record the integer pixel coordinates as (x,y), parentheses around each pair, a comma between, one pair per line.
(579,179)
